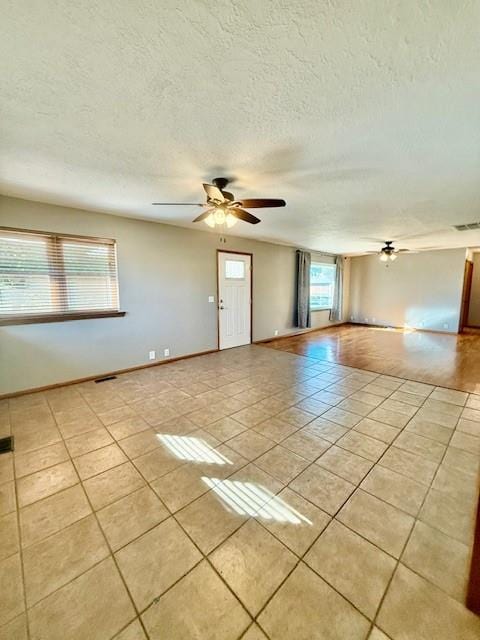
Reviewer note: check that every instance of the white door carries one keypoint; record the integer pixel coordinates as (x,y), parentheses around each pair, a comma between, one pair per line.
(234,299)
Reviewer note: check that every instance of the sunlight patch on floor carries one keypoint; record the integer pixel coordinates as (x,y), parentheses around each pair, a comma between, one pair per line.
(192,449)
(250,499)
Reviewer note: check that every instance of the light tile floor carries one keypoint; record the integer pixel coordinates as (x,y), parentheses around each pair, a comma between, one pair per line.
(247,494)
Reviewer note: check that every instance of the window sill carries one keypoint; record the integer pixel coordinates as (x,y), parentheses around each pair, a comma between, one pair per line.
(312,309)
(59,317)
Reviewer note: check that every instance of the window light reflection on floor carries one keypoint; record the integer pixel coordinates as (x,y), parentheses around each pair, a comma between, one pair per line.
(193,449)
(250,499)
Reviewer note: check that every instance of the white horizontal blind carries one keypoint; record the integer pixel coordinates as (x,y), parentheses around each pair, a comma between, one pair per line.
(43,274)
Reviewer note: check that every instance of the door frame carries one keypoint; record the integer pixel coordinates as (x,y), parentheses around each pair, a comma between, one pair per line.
(466,296)
(238,253)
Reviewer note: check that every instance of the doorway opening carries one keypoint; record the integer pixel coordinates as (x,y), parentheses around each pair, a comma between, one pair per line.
(470,309)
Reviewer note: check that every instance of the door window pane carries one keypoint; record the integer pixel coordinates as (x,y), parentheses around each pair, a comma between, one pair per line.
(235,269)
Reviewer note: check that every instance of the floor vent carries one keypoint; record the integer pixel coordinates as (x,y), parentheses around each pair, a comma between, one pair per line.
(6,444)
(471,226)
(105,379)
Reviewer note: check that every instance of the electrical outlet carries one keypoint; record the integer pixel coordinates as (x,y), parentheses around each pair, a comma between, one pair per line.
(166,352)
(366,319)
(352,318)
(445,325)
(151,355)
(275,333)
(373,320)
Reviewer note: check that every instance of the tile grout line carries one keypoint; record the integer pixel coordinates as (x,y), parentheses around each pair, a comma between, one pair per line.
(415,518)
(20,550)
(104,537)
(301,558)
(203,557)
(252,461)
(229,534)
(410,535)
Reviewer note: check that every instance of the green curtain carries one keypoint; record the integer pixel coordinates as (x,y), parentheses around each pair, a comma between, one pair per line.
(336,312)
(303,316)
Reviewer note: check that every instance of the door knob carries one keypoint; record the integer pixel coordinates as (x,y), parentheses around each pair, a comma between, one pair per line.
(221,307)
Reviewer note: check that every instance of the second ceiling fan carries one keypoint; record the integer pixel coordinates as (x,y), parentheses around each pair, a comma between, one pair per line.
(223,209)
(388,252)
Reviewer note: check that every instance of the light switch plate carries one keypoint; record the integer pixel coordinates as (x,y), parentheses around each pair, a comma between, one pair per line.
(211,298)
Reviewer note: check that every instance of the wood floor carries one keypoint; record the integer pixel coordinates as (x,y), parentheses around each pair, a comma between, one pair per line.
(442,359)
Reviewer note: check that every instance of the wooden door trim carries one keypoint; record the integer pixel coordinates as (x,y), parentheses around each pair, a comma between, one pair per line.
(238,253)
(466,295)
(473,589)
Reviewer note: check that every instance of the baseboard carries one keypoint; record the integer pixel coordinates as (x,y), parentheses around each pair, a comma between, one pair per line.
(55,385)
(298,333)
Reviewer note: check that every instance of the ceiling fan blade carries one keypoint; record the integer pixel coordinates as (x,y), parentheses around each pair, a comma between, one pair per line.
(203,215)
(257,203)
(228,196)
(406,251)
(421,235)
(213,192)
(243,215)
(175,204)
(374,240)
(432,248)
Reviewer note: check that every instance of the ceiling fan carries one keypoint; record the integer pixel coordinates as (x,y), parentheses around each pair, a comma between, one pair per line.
(223,208)
(388,252)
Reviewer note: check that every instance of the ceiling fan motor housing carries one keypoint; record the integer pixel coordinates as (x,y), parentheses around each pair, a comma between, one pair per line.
(221,183)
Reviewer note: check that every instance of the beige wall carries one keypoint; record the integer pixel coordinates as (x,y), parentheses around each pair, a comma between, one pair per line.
(421,290)
(166,274)
(474,310)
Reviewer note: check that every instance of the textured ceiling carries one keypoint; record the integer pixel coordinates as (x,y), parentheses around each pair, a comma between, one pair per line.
(363,115)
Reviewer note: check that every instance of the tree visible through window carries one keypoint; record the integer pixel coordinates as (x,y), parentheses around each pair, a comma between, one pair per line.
(322,285)
(45,274)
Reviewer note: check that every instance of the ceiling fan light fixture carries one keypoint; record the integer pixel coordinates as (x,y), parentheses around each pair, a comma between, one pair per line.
(219,215)
(393,256)
(219,218)
(210,220)
(231,220)
(383,257)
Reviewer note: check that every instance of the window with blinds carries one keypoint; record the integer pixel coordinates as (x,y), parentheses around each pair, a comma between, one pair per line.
(45,275)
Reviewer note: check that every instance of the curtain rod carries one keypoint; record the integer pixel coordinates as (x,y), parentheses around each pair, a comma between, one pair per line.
(320,253)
